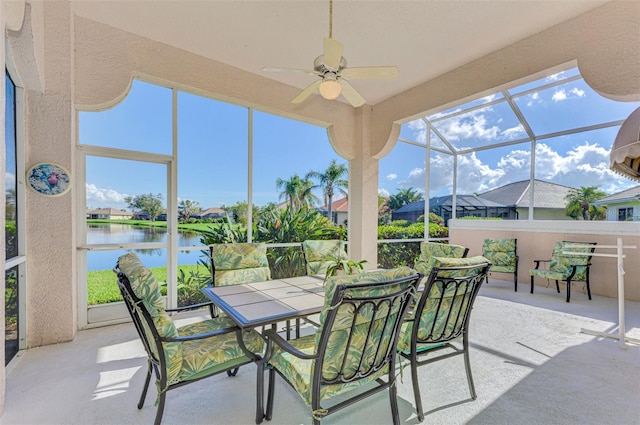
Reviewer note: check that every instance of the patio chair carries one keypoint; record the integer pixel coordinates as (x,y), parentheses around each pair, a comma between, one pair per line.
(234,263)
(237,263)
(316,253)
(179,355)
(355,345)
(566,267)
(442,315)
(503,255)
(435,249)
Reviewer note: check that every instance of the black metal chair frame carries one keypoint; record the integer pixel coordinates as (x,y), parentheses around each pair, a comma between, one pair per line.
(471,285)
(158,364)
(574,269)
(401,297)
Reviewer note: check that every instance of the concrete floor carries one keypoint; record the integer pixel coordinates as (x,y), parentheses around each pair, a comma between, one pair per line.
(531,365)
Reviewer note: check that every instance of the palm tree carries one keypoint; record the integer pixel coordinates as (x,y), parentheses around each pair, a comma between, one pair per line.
(297,191)
(578,203)
(331,180)
(403,197)
(187,207)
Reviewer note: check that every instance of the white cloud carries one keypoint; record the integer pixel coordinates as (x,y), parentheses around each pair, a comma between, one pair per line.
(559,96)
(489,98)
(471,125)
(533,98)
(383,192)
(10,180)
(104,198)
(556,77)
(513,132)
(392,176)
(584,165)
(577,92)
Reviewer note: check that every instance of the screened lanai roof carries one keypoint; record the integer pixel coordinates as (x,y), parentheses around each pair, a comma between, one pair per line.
(556,125)
(512,123)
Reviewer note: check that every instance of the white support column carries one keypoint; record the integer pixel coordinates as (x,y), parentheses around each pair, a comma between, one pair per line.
(363,211)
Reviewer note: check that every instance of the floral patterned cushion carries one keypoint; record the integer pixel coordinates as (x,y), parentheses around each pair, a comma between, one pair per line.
(192,359)
(299,371)
(316,253)
(560,265)
(501,253)
(435,319)
(145,286)
(433,249)
(209,355)
(341,332)
(366,277)
(240,263)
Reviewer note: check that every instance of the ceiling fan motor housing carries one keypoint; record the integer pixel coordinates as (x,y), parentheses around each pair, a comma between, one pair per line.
(320,67)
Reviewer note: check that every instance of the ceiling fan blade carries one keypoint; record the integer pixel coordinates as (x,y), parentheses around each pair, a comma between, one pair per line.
(351,94)
(304,71)
(306,92)
(371,73)
(332,53)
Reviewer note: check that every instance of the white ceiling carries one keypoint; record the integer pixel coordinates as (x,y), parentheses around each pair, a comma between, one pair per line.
(423,38)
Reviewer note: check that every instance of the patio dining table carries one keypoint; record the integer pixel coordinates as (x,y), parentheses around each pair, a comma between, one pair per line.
(252,305)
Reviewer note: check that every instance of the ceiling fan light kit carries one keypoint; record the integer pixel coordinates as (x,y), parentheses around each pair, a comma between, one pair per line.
(332,69)
(330,88)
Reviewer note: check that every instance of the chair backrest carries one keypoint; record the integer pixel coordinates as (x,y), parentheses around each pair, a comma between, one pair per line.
(359,324)
(142,296)
(446,302)
(562,262)
(434,249)
(235,263)
(317,253)
(501,252)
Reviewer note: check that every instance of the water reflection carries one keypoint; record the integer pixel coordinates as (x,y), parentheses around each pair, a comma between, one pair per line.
(122,233)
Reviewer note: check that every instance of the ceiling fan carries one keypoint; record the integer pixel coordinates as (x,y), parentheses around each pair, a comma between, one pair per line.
(332,69)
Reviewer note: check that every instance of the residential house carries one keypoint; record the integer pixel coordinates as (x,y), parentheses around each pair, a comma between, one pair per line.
(549,199)
(622,206)
(510,202)
(339,211)
(210,213)
(109,214)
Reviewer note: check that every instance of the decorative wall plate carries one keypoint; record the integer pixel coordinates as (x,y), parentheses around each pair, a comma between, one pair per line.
(49,179)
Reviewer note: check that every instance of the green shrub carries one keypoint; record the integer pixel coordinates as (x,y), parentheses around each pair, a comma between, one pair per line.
(289,225)
(404,254)
(400,223)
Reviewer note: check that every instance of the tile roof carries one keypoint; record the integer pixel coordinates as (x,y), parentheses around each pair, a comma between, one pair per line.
(624,196)
(341,204)
(546,194)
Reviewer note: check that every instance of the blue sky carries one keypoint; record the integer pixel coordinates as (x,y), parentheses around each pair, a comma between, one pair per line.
(213,149)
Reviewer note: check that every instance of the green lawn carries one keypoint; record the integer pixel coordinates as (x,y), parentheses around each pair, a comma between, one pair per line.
(194,227)
(102,286)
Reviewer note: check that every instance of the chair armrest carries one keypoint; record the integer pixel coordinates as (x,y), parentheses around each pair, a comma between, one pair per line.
(273,337)
(188,307)
(540,261)
(198,336)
